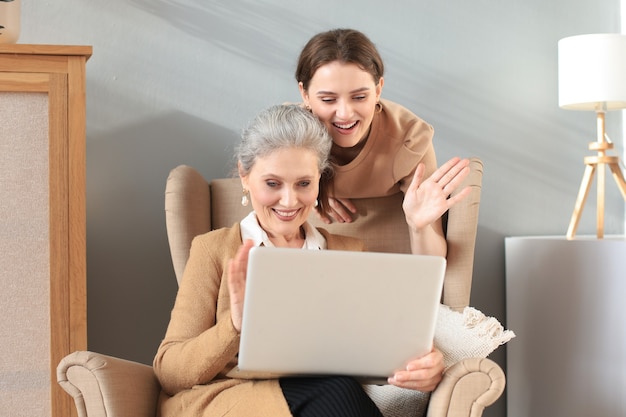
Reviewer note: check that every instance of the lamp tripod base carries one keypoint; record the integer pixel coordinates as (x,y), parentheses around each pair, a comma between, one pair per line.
(597,165)
(591,168)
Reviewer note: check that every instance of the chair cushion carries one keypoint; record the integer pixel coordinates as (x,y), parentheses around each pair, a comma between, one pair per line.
(379,222)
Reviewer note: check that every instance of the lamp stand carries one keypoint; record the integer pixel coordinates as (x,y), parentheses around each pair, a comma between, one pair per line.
(593,164)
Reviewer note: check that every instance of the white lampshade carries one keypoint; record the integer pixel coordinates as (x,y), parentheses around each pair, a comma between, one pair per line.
(592,72)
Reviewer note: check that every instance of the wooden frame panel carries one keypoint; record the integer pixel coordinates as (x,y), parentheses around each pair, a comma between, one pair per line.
(60,73)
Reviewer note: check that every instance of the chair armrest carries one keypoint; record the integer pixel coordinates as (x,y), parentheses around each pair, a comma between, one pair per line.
(104,386)
(467,388)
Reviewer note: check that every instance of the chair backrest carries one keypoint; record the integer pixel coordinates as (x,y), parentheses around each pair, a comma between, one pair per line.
(194,206)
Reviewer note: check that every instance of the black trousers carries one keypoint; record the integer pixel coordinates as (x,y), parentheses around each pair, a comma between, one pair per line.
(327,397)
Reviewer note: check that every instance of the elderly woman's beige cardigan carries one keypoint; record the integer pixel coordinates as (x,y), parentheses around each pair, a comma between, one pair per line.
(201,344)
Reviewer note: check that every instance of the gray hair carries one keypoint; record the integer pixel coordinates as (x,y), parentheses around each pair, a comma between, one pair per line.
(279,127)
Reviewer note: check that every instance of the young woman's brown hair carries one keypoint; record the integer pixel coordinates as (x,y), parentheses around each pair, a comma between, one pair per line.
(344,45)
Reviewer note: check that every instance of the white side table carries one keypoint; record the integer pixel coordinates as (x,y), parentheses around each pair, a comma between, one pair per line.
(566,302)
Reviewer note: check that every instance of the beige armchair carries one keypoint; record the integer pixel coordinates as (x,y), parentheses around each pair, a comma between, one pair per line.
(103,386)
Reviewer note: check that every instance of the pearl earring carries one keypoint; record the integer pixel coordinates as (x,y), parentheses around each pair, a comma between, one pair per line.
(244,198)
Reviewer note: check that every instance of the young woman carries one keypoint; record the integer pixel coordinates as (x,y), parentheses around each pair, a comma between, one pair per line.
(379,147)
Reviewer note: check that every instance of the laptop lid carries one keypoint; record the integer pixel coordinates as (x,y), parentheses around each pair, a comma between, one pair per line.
(362,314)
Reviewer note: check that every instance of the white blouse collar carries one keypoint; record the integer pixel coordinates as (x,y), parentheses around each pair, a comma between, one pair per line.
(250,229)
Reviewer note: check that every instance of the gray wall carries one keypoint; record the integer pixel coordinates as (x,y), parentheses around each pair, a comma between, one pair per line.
(173,82)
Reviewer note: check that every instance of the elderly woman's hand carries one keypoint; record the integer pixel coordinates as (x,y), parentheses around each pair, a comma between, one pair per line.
(237,271)
(422,374)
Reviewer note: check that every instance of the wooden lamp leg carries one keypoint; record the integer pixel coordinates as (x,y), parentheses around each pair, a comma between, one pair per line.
(583,192)
(619,178)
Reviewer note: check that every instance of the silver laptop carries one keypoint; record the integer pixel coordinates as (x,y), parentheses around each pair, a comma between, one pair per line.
(362,314)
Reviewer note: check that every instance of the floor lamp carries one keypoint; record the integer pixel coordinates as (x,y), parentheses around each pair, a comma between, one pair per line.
(592,77)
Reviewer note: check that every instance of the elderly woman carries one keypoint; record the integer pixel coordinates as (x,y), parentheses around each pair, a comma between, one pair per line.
(281,160)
